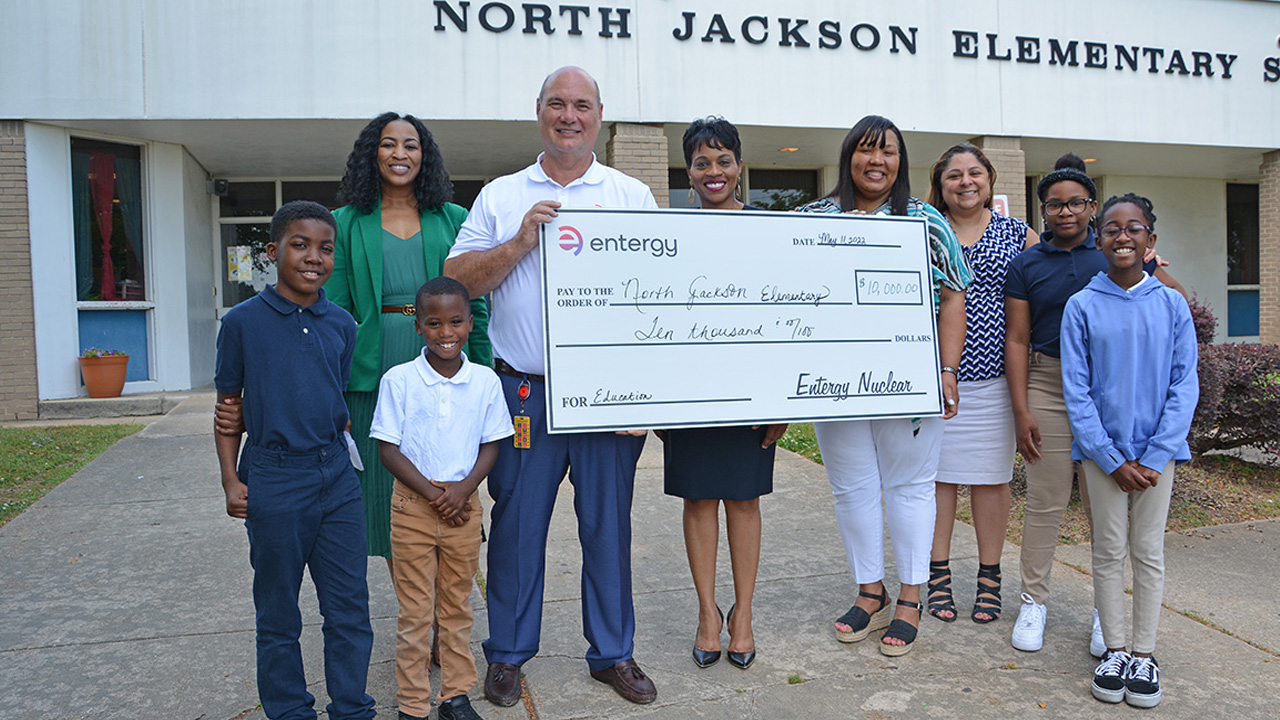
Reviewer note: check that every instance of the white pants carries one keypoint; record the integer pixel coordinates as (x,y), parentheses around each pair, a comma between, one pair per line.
(867,458)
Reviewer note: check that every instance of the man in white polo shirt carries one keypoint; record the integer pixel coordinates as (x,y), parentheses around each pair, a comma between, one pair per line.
(496,253)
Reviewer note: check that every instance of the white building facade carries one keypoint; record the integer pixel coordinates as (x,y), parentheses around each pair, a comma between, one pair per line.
(119,117)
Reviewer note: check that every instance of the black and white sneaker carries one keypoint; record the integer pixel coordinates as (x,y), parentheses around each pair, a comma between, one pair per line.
(458,708)
(1142,683)
(1109,678)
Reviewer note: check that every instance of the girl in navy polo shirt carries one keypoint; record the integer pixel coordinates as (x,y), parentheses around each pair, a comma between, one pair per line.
(1036,288)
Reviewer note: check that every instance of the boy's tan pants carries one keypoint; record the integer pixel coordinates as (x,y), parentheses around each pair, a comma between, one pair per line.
(434,565)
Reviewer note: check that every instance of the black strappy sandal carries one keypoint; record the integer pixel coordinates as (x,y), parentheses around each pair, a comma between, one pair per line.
(860,623)
(940,597)
(987,601)
(901,630)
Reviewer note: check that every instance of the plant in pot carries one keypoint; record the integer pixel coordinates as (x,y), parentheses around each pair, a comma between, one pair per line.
(103,371)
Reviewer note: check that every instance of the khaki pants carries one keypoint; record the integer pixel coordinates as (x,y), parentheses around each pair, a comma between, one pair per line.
(1132,525)
(1049,479)
(434,565)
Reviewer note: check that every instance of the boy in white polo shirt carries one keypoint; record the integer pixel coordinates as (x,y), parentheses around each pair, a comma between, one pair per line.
(438,422)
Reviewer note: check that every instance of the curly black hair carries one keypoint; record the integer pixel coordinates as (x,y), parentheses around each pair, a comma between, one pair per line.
(1148,210)
(362,184)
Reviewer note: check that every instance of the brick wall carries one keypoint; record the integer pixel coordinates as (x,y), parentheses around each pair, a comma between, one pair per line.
(1011,170)
(18,394)
(1269,248)
(641,152)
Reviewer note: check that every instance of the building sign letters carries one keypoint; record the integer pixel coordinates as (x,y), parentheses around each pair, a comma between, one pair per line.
(832,34)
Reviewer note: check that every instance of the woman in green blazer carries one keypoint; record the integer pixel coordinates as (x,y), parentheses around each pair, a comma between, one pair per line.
(394,231)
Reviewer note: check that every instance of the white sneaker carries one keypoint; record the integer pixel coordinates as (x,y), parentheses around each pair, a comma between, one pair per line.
(1142,682)
(1097,647)
(1028,632)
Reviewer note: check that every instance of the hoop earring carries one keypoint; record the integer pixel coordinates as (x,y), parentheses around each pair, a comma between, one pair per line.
(737,191)
(691,197)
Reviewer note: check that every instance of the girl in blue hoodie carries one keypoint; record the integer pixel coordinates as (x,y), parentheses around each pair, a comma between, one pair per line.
(1129,380)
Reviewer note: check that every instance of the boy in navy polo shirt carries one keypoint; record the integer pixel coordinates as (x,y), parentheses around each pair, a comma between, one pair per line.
(287,351)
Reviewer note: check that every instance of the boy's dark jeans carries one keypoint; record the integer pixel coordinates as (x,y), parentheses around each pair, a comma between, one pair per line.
(305,509)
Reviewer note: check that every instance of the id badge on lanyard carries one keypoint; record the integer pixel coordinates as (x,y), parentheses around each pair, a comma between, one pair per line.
(522,423)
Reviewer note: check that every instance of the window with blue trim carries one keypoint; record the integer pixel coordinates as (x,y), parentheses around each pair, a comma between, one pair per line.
(1243,230)
(106,192)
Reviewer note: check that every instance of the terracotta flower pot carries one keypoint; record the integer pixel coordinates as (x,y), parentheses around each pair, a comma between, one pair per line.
(104,375)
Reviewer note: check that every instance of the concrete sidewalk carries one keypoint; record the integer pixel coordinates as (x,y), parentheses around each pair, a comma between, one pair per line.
(126,594)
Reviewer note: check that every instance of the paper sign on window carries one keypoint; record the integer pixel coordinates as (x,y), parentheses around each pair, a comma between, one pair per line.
(239,264)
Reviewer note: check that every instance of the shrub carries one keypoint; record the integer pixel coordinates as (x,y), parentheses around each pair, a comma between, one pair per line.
(1206,324)
(1239,398)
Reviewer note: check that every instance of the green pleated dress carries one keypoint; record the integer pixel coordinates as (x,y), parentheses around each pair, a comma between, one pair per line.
(403,272)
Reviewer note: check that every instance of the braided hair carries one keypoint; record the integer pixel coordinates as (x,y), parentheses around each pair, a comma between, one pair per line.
(1143,204)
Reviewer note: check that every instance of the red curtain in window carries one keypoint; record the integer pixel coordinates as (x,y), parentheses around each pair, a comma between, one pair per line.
(102,170)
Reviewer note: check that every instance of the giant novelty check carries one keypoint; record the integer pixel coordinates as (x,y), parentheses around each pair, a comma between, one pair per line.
(682,318)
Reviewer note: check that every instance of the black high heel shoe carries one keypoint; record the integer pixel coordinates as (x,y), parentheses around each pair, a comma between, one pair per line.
(707,658)
(740,660)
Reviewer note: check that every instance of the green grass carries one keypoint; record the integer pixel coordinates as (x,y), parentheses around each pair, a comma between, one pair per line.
(800,439)
(1187,515)
(1211,490)
(33,460)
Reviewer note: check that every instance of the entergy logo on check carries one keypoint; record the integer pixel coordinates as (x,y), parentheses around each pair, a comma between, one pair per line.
(570,239)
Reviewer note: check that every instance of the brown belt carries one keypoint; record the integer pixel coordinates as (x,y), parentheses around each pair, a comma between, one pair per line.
(502,367)
(399,309)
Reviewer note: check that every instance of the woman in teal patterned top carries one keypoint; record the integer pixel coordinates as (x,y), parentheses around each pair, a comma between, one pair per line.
(897,458)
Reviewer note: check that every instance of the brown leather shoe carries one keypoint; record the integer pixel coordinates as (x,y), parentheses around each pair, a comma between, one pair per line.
(502,684)
(629,681)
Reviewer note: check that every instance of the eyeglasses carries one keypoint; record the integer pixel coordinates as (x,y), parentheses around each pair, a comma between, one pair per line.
(1134,231)
(1075,205)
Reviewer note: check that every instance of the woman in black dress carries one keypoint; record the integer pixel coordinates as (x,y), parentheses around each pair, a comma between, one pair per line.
(706,466)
